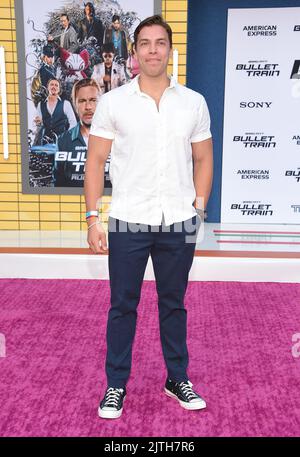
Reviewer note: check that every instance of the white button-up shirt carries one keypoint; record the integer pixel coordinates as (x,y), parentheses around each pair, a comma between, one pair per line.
(151,166)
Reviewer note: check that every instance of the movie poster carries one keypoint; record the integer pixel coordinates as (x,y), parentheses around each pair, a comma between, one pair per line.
(72,52)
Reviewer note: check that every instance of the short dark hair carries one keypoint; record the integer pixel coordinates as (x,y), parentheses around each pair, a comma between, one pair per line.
(108,47)
(115,18)
(148,22)
(86,82)
(48,51)
(90,4)
(66,15)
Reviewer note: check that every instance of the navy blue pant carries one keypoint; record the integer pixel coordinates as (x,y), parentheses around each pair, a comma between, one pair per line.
(172,255)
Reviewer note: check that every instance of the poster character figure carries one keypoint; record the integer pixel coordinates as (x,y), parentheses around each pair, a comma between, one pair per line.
(54,115)
(115,35)
(109,74)
(74,65)
(132,64)
(47,69)
(72,145)
(90,25)
(68,38)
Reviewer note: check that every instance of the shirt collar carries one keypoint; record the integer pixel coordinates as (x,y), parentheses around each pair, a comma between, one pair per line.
(135,87)
(75,132)
(58,98)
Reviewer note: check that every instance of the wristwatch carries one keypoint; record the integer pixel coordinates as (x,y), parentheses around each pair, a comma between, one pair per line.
(202,213)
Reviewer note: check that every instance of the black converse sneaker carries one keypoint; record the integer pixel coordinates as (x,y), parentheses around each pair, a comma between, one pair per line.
(111,406)
(184,393)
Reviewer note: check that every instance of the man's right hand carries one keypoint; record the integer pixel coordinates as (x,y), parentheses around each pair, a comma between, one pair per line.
(97,239)
(38,120)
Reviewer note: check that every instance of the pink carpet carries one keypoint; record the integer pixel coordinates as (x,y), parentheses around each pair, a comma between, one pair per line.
(240,342)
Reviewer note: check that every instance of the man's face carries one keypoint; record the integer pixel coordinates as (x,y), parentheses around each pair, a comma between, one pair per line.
(88,10)
(86,103)
(48,60)
(153,50)
(116,25)
(53,87)
(64,22)
(108,58)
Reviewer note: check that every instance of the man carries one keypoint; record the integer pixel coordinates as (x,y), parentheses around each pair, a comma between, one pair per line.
(54,115)
(109,74)
(47,69)
(157,129)
(45,72)
(72,145)
(90,25)
(68,38)
(117,37)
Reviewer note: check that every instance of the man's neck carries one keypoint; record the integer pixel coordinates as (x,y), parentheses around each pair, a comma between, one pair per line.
(52,99)
(84,129)
(154,86)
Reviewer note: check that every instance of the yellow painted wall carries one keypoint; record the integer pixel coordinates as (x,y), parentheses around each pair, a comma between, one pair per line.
(52,212)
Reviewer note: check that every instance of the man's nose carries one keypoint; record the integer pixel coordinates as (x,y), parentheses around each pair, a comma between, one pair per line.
(153,48)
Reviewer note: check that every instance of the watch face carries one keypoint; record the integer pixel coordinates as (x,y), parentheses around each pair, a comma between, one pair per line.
(201,213)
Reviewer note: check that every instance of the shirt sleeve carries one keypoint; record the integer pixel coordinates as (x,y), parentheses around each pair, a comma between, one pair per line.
(68,110)
(73,40)
(102,124)
(39,110)
(201,130)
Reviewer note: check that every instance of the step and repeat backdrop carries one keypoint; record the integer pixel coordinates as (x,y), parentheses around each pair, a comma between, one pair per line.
(261,138)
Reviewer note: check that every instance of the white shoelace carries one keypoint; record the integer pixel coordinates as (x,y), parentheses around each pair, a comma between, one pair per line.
(113,397)
(187,390)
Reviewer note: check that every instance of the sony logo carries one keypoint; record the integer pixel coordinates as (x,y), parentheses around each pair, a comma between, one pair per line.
(255,104)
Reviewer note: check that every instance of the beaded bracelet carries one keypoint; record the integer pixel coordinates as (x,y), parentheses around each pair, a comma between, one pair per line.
(94,223)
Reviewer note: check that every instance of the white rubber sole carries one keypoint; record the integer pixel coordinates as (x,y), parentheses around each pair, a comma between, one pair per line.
(201,404)
(107,414)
